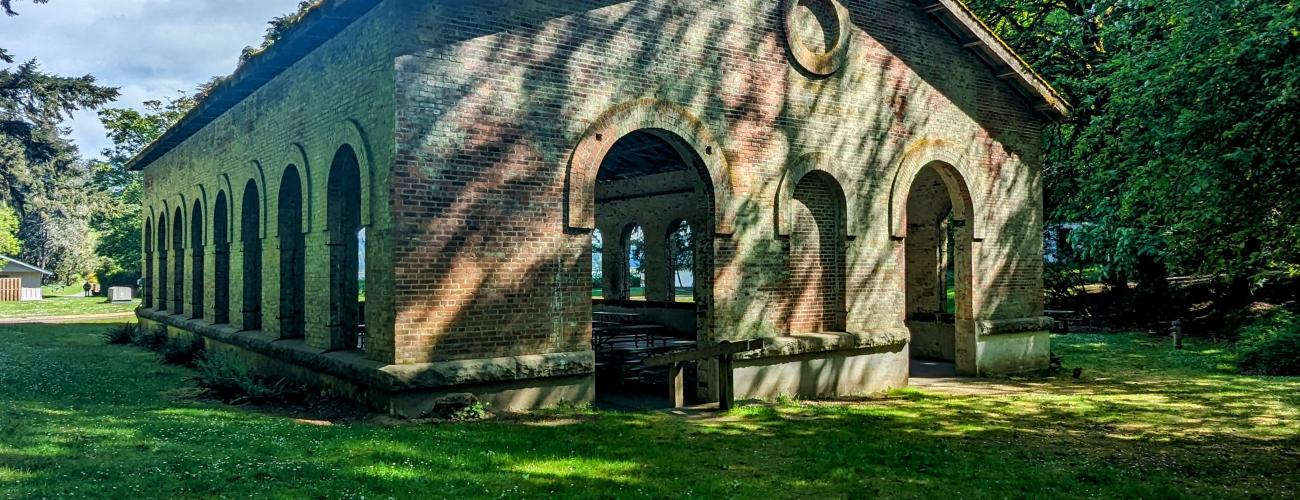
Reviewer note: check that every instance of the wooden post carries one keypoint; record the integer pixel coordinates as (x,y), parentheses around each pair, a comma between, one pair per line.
(726,383)
(1178,333)
(676,395)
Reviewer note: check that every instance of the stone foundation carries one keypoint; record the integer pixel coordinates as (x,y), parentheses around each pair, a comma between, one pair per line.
(505,384)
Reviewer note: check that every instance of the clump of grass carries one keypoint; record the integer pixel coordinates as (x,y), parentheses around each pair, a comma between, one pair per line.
(1270,344)
(182,350)
(226,376)
(150,338)
(120,334)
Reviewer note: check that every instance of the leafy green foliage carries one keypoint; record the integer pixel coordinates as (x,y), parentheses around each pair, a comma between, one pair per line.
(1270,345)
(228,377)
(7,6)
(118,223)
(9,242)
(124,333)
(150,338)
(180,350)
(1183,141)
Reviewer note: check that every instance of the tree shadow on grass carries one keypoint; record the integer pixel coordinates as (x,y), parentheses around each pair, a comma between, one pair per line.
(80,418)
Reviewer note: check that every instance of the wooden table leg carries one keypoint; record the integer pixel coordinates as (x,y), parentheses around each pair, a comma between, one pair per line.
(676,393)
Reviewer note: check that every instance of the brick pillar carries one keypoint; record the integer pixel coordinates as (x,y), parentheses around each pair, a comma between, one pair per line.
(319,332)
(658,272)
(614,263)
(380,315)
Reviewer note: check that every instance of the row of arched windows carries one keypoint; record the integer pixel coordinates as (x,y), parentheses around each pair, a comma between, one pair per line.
(174,247)
(679,276)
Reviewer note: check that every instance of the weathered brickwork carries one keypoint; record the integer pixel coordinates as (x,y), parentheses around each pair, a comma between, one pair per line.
(480,129)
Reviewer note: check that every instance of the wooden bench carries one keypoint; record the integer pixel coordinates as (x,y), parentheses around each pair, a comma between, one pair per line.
(723,351)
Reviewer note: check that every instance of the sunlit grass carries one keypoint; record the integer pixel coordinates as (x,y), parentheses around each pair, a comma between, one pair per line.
(78,418)
(64,306)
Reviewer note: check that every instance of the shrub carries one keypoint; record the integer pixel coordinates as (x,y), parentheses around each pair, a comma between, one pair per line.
(182,350)
(150,338)
(228,377)
(1270,345)
(120,334)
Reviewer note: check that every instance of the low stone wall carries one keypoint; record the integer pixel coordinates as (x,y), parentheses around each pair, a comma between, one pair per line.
(506,383)
(933,340)
(824,374)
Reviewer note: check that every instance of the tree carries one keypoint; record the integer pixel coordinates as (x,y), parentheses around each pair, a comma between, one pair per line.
(119,221)
(9,242)
(1184,138)
(7,6)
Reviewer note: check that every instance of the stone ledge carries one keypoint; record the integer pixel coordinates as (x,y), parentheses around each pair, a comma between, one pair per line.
(354,367)
(1012,326)
(805,343)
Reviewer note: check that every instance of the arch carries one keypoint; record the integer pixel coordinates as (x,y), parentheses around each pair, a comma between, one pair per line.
(349,132)
(343,225)
(251,242)
(178,262)
(295,156)
(259,179)
(161,287)
(197,286)
(221,259)
(652,115)
(290,231)
(951,164)
(816,264)
(598,279)
(794,173)
(147,282)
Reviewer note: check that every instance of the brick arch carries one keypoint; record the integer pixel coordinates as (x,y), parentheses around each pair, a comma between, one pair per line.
(223,185)
(584,164)
(296,154)
(350,133)
(258,176)
(795,172)
(952,166)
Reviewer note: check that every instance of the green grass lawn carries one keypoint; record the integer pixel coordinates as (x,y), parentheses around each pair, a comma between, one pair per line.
(63,306)
(638,293)
(81,418)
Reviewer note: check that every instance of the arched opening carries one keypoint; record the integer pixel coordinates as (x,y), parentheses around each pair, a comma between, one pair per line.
(634,242)
(197,288)
(147,283)
(161,283)
(250,236)
(221,259)
(649,183)
(346,250)
(293,265)
(681,262)
(178,269)
(816,265)
(937,251)
(597,264)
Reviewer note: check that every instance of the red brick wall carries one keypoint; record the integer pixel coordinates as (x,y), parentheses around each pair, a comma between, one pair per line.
(815,289)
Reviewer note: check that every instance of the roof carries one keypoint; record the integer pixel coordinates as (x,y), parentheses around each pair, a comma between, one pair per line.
(330,17)
(973,34)
(318,25)
(26,265)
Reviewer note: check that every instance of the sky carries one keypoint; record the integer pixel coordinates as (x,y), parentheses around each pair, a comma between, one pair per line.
(149,49)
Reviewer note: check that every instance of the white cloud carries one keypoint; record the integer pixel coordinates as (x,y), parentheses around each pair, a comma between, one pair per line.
(149,48)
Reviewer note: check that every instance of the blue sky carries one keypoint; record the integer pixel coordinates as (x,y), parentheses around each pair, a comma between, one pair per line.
(148,48)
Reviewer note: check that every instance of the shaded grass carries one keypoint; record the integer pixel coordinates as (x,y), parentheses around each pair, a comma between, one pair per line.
(64,306)
(81,418)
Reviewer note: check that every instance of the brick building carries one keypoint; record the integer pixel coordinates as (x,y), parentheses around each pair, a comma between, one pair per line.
(844,166)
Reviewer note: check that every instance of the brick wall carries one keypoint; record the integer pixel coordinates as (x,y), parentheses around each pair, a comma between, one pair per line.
(815,287)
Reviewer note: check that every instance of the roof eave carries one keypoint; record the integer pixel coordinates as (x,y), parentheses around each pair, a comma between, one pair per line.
(973,34)
(319,25)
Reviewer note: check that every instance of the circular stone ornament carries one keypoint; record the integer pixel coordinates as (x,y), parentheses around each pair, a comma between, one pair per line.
(825,19)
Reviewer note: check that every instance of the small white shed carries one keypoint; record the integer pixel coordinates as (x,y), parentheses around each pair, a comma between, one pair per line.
(20,281)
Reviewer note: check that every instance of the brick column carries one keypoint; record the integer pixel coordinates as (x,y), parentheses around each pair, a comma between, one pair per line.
(318,330)
(658,271)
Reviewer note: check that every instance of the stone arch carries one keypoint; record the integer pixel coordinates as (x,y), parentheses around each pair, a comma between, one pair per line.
(178,247)
(221,257)
(197,245)
(201,198)
(647,114)
(251,232)
(291,208)
(343,223)
(162,287)
(224,186)
(795,172)
(952,165)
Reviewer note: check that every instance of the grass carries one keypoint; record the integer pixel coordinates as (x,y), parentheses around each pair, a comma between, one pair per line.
(638,293)
(78,418)
(63,306)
